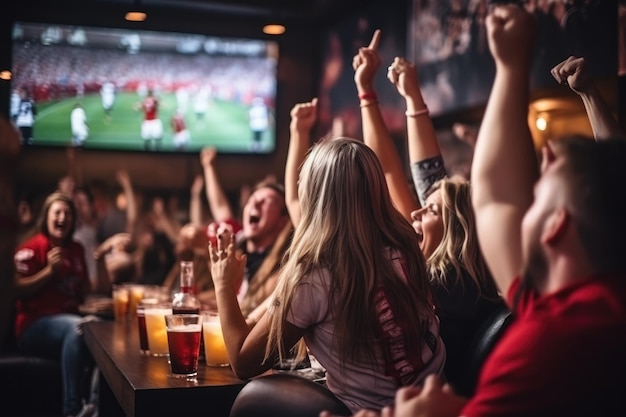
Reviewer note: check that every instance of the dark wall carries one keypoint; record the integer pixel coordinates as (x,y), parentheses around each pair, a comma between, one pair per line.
(296,82)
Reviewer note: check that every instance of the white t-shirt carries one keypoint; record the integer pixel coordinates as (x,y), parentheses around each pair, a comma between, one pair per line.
(359,385)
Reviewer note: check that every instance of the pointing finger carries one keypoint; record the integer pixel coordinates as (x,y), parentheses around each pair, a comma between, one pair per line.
(375,40)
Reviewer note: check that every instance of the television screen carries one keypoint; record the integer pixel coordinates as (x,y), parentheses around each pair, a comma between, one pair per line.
(132,90)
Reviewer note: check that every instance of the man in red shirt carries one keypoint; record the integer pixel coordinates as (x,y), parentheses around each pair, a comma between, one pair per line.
(554,244)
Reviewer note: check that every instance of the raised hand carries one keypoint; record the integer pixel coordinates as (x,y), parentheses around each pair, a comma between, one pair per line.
(123,178)
(574,72)
(207,156)
(227,264)
(303,116)
(435,399)
(403,75)
(365,64)
(511,37)
(55,258)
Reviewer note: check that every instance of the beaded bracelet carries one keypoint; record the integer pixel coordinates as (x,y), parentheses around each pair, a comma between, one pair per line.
(418,113)
(369,103)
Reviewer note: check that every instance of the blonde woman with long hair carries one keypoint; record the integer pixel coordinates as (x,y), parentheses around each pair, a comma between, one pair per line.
(354,286)
(464,291)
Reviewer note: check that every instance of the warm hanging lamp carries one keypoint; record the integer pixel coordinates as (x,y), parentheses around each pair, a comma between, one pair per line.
(136,14)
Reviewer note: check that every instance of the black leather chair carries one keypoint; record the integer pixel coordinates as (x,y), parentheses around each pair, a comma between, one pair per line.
(31,385)
(483,343)
(285,395)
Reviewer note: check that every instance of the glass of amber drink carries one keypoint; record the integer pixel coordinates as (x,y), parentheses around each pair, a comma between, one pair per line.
(155,327)
(214,347)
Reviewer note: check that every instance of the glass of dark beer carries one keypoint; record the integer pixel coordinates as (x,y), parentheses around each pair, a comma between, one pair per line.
(183,338)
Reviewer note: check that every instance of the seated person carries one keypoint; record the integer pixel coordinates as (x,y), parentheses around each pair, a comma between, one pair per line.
(51,282)
(464,292)
(554,242)
(354,286)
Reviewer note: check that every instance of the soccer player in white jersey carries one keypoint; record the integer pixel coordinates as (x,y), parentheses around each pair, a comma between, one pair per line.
(25,118)
(107,93)
(80,130)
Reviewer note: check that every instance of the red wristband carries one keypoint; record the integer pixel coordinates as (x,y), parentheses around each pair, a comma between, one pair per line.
(370,95)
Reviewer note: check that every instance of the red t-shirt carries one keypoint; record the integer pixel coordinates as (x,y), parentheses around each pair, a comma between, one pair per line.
(63,293)
(564,355)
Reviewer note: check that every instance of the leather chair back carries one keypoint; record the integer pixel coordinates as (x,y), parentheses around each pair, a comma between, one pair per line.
(483,343)
(285,395)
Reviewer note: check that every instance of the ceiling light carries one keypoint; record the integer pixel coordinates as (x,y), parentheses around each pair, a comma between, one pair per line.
(5,75)
(135,16)
(273,29)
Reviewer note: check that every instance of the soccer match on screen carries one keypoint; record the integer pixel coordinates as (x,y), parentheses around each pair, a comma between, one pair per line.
(117,89)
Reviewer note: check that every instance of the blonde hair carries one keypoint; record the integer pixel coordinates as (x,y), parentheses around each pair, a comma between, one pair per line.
(459,249)
(348,223)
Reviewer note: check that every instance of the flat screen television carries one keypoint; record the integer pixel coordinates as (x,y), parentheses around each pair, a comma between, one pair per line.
(128,83)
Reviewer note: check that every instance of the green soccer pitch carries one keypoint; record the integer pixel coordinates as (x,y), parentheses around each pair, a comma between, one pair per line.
(224,126)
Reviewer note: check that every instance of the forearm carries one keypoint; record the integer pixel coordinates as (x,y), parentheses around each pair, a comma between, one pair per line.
(422,139)
(218,202)
(131,208)
(103,282)
(603,123)
(377,137)
(247,361)
(73,170)
(299,143)
(195,210)
(255,315)
(26,286)
(169,227)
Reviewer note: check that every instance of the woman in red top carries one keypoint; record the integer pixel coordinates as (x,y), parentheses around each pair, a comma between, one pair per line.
(51,282)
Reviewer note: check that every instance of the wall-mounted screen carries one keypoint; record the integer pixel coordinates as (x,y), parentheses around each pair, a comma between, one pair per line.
(132,90)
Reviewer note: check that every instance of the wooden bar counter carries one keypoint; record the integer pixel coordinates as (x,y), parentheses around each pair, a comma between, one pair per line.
(134,385)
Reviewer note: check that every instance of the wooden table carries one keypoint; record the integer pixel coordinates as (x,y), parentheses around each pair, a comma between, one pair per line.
(135,385)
